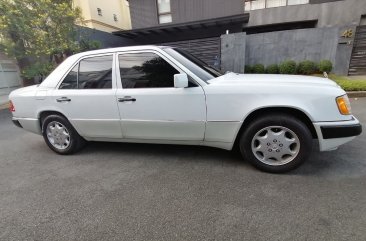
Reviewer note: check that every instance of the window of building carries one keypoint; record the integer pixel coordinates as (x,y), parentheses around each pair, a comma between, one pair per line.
(145,70)
(261,4)
(115,17)
(90,73)
(295,2)
(99,12)
(164,12)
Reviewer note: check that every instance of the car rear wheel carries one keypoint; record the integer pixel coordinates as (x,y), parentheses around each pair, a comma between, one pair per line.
(60,136)
(276,143)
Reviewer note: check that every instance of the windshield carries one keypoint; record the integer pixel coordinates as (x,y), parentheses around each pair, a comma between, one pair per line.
(194,64)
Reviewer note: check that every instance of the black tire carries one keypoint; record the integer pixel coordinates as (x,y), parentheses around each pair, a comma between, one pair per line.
(276,119)
(76,142)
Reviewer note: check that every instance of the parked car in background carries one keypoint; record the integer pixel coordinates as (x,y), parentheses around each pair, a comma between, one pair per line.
(154,94)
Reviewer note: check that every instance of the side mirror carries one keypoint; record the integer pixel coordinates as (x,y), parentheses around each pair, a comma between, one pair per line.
(180,80)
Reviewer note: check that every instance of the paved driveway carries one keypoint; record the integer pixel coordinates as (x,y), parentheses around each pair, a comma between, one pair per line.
(161,192)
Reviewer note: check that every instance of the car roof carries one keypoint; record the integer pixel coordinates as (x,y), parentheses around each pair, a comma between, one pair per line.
(129,48)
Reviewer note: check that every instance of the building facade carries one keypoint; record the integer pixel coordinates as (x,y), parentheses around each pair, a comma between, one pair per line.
(198,24)
(107,16)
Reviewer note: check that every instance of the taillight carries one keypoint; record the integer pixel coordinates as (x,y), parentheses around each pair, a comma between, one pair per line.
(11,106)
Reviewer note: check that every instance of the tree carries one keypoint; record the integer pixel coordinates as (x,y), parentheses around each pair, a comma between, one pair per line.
(40,34)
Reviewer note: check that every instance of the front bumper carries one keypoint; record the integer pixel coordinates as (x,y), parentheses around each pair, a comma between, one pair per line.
(333,134)
(330,132)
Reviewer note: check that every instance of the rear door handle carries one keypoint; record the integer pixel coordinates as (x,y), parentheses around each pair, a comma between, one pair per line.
(63,99)
(126,98)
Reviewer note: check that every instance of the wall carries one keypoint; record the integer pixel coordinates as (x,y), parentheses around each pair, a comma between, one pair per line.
(303,44)
(144,12)
(193,10)
(106,21)
(107,40)
(233,52)
(9,77)
(298,45)
(339,13)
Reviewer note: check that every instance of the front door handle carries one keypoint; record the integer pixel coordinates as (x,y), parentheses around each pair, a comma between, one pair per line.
(63,99)
(126,98)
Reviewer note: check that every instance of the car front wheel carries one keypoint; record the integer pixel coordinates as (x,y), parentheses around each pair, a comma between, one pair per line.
(60,136)
(276,143)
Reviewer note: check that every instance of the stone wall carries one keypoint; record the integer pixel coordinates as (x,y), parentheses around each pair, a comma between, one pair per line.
(303,44)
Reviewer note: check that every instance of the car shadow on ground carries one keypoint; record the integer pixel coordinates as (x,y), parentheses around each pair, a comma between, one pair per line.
(319,162)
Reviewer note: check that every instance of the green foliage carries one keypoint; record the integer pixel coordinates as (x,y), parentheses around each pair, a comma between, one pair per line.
(325,66)
(85,45)
(306,67)
(258,69)
(248,69)
(40,34)
(37,69)
(347,83)
(287,67)
(272,69)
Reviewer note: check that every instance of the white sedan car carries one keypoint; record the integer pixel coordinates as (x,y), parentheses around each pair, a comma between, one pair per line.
(154,94)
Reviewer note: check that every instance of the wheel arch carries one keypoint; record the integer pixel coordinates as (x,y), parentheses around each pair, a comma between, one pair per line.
(299,114)
(44,113)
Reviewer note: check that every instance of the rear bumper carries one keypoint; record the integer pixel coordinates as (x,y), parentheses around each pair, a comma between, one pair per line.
(16,122)
(333,134)
(29,124)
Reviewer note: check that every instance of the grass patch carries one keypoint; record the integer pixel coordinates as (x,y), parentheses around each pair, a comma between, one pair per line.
(348,84)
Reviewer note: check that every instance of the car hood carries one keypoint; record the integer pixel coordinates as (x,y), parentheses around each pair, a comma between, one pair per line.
(268,79)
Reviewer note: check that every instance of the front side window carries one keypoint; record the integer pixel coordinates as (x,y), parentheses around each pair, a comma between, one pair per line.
(145,70)
(164,12)
(90,73)
(201,69)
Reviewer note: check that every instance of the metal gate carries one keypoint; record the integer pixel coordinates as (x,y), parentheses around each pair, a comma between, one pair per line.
(358,59)
(207,49)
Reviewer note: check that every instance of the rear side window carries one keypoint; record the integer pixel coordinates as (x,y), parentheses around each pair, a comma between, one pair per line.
(71,79)
(90,73)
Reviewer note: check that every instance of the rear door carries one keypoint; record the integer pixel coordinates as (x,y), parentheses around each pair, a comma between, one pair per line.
(86,96)
(150,106)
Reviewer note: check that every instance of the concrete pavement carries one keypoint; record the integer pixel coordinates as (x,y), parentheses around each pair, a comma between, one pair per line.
(113,191)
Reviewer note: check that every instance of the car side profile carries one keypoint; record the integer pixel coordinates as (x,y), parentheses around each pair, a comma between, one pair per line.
(158,94)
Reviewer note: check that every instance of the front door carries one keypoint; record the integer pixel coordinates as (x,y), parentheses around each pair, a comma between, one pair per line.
(150,106)
(86,97)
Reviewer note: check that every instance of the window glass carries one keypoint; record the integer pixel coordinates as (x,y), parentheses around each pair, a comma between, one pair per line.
(258,4)
(164,11)
(96,73)
(275,3)
(164,6)
(166,18)
(295,2)
(194,64)
(71,79)
(145,70)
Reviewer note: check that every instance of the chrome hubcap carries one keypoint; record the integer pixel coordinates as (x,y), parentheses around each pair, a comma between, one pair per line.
(58,135)
(275,145)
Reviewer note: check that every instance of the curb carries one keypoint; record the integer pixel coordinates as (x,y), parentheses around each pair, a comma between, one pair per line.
(356,94)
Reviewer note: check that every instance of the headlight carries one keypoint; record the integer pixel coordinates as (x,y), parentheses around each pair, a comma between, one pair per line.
(344,105)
